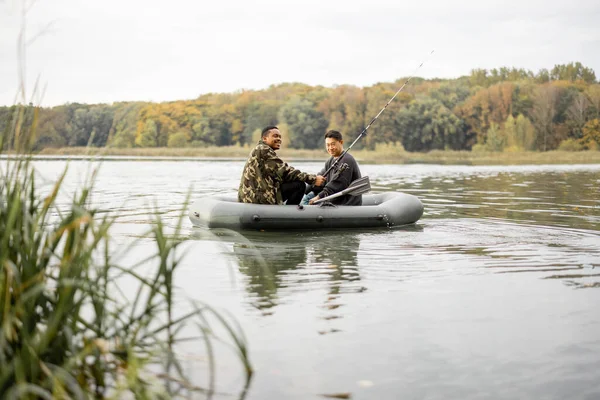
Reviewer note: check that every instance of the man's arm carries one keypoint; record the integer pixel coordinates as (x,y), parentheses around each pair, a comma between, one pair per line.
(285,173)
(340,182)
(327,165)
(316,189)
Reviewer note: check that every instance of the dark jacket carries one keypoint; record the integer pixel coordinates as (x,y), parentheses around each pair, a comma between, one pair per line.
(336,182)
(263,175)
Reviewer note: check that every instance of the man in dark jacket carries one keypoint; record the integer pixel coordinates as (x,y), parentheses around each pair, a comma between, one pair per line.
(266,179)
(339,178)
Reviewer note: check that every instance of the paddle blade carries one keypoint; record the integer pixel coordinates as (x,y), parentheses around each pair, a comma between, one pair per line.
(356,188)
(362,189)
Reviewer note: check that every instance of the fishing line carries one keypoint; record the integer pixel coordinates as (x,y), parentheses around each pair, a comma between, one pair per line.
(364,131)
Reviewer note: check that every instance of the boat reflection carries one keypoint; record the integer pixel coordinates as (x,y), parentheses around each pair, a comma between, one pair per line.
(278,264)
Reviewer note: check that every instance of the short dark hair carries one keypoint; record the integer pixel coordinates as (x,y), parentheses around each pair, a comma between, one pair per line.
(334,135)
(266,130)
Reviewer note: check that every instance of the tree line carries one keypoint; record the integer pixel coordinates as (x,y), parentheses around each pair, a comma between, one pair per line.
(505,109)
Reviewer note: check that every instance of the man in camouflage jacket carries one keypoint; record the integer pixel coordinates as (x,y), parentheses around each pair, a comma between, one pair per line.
(267,179)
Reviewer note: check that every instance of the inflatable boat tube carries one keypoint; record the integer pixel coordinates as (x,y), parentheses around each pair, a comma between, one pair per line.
(378,210)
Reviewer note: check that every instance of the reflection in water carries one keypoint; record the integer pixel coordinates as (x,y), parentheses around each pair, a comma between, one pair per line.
(276,263)
(517,219)
(551,198)
(497,294)
(265,264)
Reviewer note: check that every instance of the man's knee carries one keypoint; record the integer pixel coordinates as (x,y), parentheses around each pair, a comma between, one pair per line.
(297,185)
(293,191)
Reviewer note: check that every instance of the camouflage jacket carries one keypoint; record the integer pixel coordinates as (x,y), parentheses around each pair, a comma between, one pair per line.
(263,175)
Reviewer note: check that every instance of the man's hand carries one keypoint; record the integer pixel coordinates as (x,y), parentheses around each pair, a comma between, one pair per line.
(312,201)
(320,180)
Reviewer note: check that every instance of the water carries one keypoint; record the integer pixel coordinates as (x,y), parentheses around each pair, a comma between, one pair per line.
(493,294)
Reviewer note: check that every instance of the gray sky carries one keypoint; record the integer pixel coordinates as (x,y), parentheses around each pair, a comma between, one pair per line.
(124,50)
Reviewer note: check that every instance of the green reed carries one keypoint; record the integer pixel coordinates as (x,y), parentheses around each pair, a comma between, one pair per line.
(67,330)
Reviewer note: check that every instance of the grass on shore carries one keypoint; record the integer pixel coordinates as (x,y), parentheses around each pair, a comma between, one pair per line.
(383,154)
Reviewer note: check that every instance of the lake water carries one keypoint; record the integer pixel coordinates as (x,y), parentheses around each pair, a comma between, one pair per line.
(493,294)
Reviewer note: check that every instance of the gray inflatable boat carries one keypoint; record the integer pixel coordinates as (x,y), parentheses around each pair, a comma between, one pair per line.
(378,210)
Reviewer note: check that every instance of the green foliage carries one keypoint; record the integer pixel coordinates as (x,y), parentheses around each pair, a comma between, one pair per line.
(257,132)
(543,76)
(179,139)
(90,126)
(519,133)
(564,72)
(495,139)
(544,111)
(216,119)
(19,133)
(451,94)
(53,128)
(573,72)
(149,136)
(387,127)
(67,330)
(591,134)
(484,108)
(124,125)
(522,100)
(570,145)
(345,108)
(258,116)
(592,93)
(305,124)
(426,124)
(484,78)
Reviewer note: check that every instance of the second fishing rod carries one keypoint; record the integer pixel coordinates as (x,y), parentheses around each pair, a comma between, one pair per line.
(364,131)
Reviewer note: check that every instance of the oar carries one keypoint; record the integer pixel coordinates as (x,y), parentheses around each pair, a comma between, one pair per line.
(356,188)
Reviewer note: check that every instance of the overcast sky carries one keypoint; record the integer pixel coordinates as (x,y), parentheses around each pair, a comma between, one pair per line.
(123,50)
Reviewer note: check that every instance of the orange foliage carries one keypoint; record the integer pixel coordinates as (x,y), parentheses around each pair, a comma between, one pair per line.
(487,106)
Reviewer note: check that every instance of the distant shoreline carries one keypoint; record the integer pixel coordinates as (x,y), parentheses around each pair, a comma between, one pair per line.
(384,156)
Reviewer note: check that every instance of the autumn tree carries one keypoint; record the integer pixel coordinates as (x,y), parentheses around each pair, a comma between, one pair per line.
(203,132)
(178,140)
(124,125)
(543,76)
(486,106)
(259,114)
(591,134)
(387,127)
(543,113)
(452,93)
(306,125)
(485,78)
(90,125)
(495,139)
(6,117)
(577,114)
(426,124)
(427,114)
(344,108)
(19,122)
(52,129)
(154,127)
(519,133)
(478,77)
(592,93)
(573,72)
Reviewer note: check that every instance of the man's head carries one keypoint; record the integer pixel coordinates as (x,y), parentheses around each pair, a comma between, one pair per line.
(334,143)
(272,137)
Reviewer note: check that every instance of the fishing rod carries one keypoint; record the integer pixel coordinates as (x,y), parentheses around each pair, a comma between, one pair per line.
(364,131)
